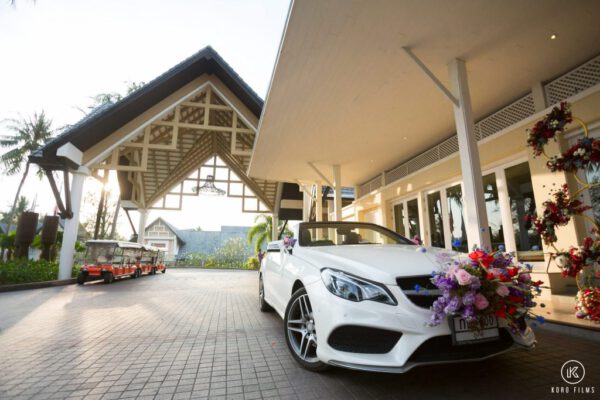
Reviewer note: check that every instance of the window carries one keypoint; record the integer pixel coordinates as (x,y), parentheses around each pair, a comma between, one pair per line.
(436,224)
(414,226)
(592,175)
(458,231)
(492,205)
(522,202)
(406,218)
(399,219)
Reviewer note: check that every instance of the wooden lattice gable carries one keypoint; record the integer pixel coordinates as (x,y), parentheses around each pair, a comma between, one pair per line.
(168,149)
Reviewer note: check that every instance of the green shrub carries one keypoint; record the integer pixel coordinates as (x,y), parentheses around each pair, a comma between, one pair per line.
(252,263)
(26,271)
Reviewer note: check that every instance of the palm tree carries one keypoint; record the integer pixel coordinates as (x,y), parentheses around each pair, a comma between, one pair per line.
(262,232)
(28,134)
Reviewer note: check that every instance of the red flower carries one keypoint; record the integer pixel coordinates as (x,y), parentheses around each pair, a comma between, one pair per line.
(482,257)
(512,310)
(537,283)
(515,299)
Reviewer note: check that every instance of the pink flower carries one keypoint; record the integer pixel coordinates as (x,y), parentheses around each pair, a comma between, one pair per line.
(481,302)
(463,277)
(525,278)
(502,291)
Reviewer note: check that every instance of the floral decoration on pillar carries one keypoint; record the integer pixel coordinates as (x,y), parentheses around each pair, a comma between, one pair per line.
(582,260)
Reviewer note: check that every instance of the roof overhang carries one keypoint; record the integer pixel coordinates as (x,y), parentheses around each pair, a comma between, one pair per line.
(105,120)
(344,91)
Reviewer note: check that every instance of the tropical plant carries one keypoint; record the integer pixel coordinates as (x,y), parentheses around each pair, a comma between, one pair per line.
(28,134)
(22,206)
(262,232)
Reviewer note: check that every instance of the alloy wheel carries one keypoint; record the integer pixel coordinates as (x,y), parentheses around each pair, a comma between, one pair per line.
(301,329)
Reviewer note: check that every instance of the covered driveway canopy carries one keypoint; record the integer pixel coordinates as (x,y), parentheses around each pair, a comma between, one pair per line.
(157,137)
(345,92)
(193,125)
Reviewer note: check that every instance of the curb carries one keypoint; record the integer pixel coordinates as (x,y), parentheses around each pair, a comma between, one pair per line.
(579,331)
(36,285)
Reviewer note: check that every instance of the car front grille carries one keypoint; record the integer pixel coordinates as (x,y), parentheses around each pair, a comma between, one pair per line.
(362,339)
(426,294)
(440,348)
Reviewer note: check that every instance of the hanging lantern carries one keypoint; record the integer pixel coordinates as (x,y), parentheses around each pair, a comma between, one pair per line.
(209,188)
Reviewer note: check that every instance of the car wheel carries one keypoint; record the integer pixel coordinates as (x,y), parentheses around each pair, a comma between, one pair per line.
(81,279)
(264,306)
(300,332)
(164,270)
(109,277)
(135,274)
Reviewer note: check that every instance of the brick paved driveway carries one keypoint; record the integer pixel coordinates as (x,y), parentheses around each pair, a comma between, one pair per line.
(199,334)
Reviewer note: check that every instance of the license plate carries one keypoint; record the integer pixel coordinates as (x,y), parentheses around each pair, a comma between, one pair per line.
(461,334)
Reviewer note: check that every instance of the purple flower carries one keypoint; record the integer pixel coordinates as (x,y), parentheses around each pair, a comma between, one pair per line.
(469,298)
(540,319)
(468,313)
(453,305)
(417,288)
(475,283)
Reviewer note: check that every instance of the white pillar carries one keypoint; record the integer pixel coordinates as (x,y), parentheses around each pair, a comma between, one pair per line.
(319,200)
(337,195)
(142,225)
(275,226)
(473,199)
(67,250)
(305,204)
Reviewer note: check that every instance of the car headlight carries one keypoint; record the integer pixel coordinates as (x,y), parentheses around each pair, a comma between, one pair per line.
(353,288)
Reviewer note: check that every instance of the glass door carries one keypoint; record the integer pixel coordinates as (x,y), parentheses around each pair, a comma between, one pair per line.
(406,219)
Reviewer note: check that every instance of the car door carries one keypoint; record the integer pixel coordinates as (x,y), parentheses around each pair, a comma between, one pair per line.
(272,274)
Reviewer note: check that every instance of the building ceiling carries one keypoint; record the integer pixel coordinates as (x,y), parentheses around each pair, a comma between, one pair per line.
(344,92)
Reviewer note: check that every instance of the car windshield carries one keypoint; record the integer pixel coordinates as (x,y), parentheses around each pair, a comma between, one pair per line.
(99,253)
(344,233)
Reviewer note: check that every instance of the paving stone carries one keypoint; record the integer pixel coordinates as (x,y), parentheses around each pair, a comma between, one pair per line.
(198,334)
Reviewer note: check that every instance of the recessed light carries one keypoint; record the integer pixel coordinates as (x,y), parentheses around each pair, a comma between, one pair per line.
(552,37)
(405,138)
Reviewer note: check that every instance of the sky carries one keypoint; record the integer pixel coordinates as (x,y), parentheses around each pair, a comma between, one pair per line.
(57,54)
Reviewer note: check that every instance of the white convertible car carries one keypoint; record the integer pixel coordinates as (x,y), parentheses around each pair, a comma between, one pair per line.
(347,294)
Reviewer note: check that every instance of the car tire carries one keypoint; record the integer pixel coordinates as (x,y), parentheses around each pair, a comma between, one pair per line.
(108,277)
(164,270)
(300,332)
(264,306)
(135,274)
(81,278)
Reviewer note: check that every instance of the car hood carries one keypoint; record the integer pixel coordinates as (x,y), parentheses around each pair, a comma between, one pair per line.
(380,263)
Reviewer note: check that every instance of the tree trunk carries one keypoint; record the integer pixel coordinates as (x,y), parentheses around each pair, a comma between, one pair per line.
(100,207)
(14,206)
(113,228)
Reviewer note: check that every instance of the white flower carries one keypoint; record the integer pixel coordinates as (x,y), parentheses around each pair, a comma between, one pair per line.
(561,260)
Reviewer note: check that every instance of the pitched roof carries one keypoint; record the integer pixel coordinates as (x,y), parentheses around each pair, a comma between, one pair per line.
(175,231)
(104,120)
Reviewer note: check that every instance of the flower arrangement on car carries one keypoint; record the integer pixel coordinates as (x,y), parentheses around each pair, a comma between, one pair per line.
(487,284)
